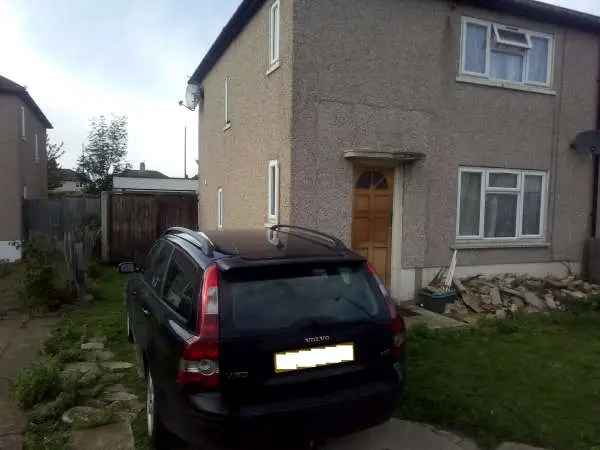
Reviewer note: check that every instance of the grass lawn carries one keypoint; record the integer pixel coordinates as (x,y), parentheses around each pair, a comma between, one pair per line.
(105,316)
(535,379)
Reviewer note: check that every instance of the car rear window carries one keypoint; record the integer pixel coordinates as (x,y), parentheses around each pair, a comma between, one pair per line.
(282,297)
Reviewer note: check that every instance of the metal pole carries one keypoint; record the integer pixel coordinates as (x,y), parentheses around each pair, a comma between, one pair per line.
(185,151)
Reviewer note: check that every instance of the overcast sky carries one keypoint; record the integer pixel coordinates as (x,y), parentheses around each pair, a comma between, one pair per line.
(83,58)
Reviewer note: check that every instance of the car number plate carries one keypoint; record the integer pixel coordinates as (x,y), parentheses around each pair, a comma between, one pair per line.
(314,357)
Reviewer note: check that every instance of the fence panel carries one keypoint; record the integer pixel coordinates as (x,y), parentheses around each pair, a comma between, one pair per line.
(137,220)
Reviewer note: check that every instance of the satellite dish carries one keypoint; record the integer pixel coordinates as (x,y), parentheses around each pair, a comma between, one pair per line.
(588,142)
(193,94)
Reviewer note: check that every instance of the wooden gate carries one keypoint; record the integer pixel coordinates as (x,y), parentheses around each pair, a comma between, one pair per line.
(137,220)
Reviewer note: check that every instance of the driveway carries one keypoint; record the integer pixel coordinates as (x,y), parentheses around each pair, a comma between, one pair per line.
(20,343)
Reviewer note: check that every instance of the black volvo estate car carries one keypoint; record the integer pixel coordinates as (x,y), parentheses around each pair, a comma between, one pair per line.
(277,332)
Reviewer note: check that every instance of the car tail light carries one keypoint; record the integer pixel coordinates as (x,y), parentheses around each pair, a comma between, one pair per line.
(397,324)
(199,363)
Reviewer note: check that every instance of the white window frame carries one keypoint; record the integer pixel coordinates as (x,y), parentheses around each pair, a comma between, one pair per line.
(518,48)
(23,129)
(496,27)
(273,191)
(227,119)
(274,34)
(519,190)
(220,208)
(36,149)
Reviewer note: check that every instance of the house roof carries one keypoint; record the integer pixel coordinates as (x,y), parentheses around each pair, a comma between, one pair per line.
(70,175)
(528,8)
(10,87)
(132,173)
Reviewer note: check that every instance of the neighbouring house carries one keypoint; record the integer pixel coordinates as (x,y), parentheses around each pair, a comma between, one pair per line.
(408,128)
(142,180)
(23,161)
(72,182)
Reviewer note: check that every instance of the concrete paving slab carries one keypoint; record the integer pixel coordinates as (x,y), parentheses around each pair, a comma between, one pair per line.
(515,446)
(402,435)
(115,436)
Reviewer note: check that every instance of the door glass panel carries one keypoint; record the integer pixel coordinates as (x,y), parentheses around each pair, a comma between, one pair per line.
(501,215)
(180,283)
(364,181)
(159,267)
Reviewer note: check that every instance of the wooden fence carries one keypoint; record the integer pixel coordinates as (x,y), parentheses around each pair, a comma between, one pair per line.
(131,222)
(56,215)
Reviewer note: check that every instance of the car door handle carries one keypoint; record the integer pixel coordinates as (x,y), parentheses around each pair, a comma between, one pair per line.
(145,311)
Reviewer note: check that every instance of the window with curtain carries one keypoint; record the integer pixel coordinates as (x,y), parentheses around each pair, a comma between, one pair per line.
(500,203)
(273,191)
(503,53)
(220,208)
(274,33)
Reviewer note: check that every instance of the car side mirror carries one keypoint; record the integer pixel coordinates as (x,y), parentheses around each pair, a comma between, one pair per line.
(127,267)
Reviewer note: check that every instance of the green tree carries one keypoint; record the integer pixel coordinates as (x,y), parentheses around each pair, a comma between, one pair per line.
(104,153)
(54,151)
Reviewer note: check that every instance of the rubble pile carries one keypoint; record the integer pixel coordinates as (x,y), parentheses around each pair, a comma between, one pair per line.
(507,294)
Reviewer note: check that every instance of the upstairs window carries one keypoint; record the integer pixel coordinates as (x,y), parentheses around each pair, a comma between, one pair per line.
(274,33)
(227,121)
(36,149)
(273,195)
(220,208)
(23,129)
(502,53)
(500,204)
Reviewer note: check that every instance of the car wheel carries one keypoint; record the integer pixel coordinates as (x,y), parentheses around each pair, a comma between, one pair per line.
(156,431)
(130,337)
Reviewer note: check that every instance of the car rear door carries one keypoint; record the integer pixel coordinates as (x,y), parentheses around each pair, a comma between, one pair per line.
(153,283)
(279,313)
(173,316)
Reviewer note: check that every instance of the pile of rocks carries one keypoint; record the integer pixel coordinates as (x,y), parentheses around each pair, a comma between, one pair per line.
(503,295)
(94,403)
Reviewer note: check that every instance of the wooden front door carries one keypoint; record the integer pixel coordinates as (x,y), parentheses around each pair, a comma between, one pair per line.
(372,218)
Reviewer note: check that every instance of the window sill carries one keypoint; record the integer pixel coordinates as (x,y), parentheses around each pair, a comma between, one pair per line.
(505,84)
(273,68)
(227,126)
(475,244)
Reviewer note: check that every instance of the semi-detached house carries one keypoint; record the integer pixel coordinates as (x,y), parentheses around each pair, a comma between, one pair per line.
(408,128)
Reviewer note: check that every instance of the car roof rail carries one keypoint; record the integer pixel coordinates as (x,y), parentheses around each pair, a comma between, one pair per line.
(197,238)
(336,243)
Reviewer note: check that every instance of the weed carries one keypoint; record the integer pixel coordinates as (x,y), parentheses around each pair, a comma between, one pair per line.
(38,383)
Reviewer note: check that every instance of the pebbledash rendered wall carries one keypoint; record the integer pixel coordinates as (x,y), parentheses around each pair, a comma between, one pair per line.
(237,158)
(382,75)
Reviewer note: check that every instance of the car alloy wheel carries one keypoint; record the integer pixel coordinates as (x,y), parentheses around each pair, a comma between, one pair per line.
(150,415)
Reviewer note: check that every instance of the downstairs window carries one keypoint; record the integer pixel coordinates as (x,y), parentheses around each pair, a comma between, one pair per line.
(500,203)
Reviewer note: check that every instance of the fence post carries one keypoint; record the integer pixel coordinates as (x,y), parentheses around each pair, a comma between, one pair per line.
(105,222)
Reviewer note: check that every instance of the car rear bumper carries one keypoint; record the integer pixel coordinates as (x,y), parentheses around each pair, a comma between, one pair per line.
(343,411)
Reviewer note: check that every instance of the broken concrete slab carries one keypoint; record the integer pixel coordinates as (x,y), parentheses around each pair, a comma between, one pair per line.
(533,300)
(115,366)
(92,346)
(573,295)
(120,396)
(516,446)
(115,436)
(550,303)
(80,417)
(495,296)
(98,355)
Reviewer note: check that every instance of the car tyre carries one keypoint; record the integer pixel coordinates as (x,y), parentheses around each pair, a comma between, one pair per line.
(130,337)
(156,431)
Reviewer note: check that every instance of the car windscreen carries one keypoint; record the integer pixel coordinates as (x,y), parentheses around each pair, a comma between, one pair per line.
(289,296)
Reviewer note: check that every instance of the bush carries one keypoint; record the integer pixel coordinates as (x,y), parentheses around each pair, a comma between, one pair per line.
(6,267)
(40,285)
(38,383)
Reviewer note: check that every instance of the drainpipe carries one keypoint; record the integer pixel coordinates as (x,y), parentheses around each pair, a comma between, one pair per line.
(595,160)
